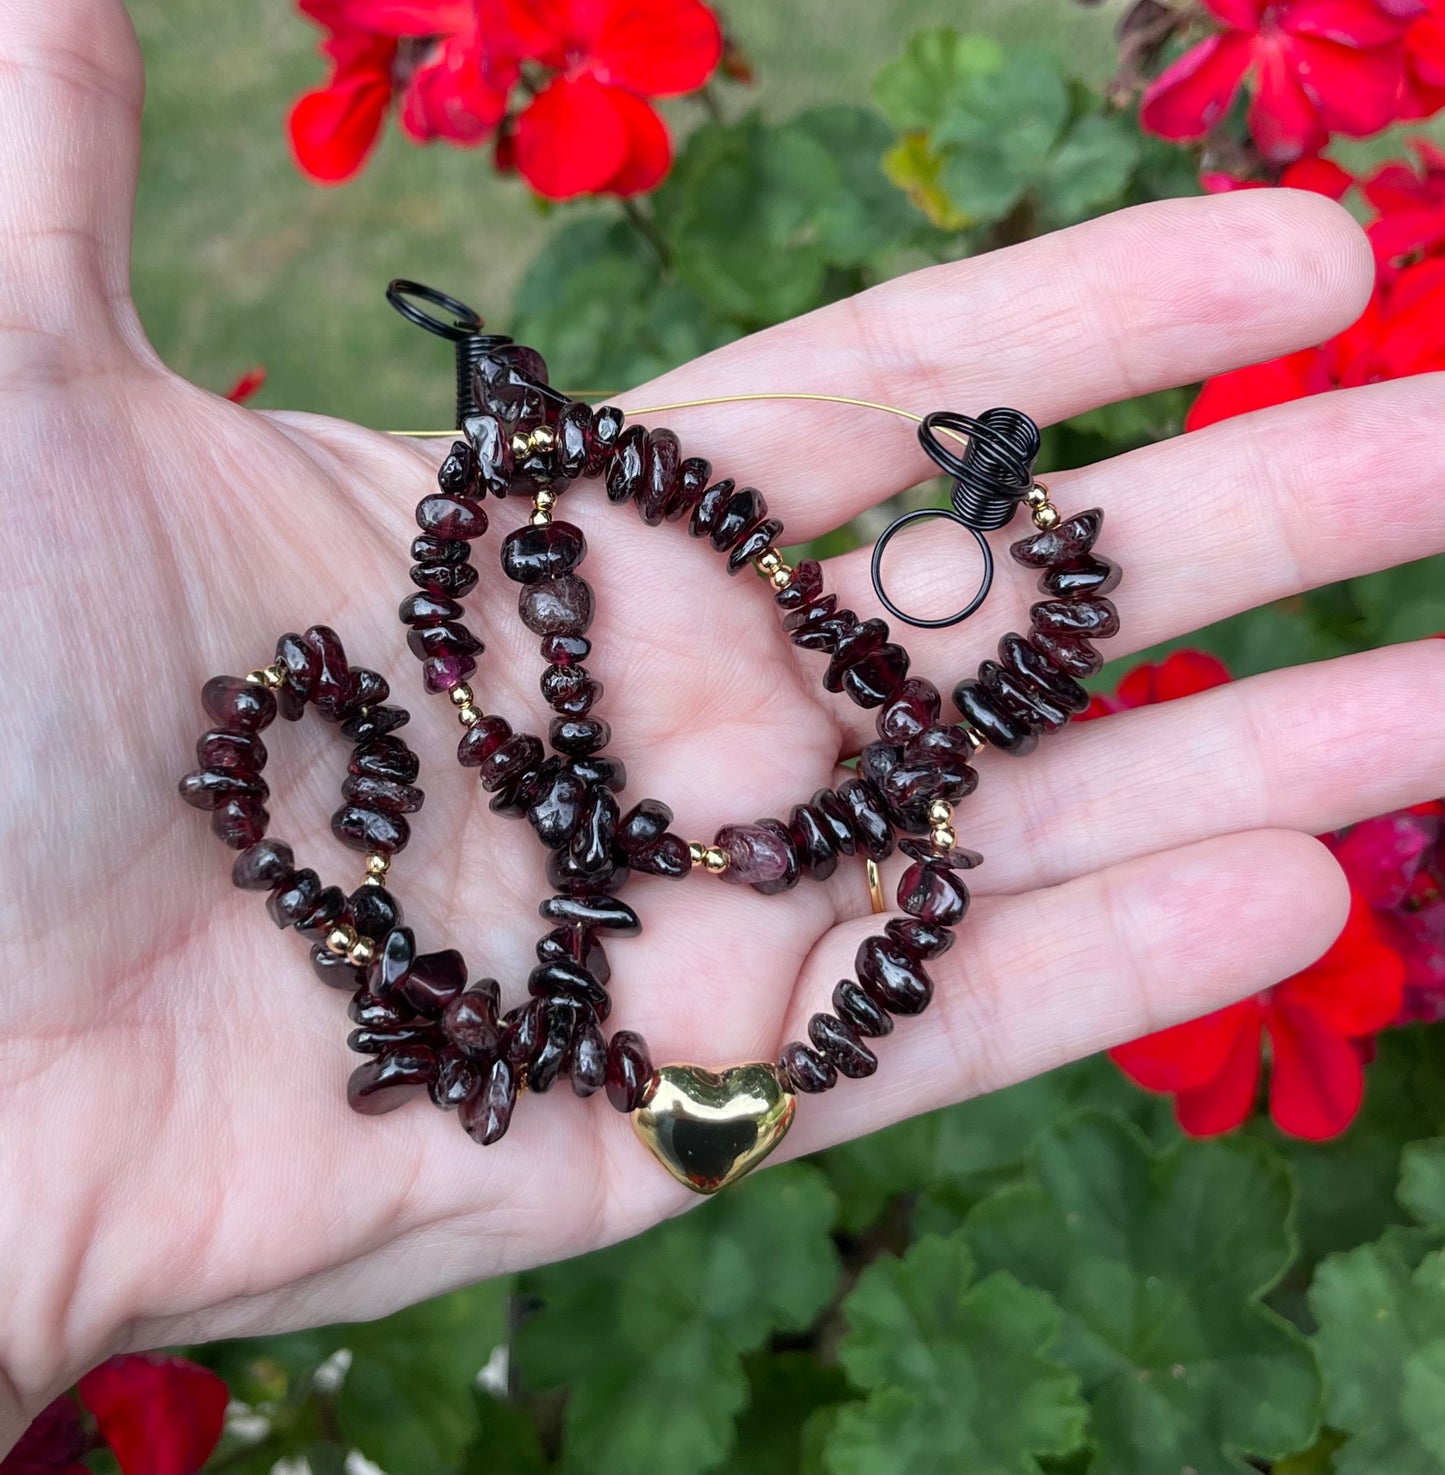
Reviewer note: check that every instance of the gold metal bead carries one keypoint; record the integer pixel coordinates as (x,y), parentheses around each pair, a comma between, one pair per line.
(782,576)
(940,811)
(698,852)
(545,498)
(975,737)
(944,838)
(521,446)
(715,860)
(542,438)
(540,518)
(362,953)
(256,678)
(469,716)
(768,561)
(377,865)
(342,939)
(1036,495)
(1046,517)
(461,695)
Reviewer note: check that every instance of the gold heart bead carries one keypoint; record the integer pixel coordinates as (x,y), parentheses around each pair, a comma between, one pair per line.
(709,1127)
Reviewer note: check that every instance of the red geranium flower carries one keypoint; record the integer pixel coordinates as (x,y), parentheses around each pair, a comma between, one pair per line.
(1318,67)
(1423,93)
(1411,206)
(159,1415)
(591,128)
(1179,675)
(1319,1022)
(1318,175)
(248,386)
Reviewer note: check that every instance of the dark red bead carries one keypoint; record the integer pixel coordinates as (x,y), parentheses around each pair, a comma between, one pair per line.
(428,609)
(587,1064)
(440,550)
(458,473)
(627,465)
(1071,653)
(891,977)
(573,423)
(606,913)
(299,660)
(290,702)
(914,783)
(670,857)
(388,969)
(578,735)
(330,909)
(599,768)
(709,507)
(1095,618)
(920,939)
(385,757)
(390,1081)
(237,705)
(806,1070)
(754,543)
(564,978)
(693,477)
(984,712)
(629,1070)
(602,437)
(374,722)
(739,515)
(370,830)
(852,646)
(381,793)
(852,1004)
(1072,537)
(591,846)
(515,757)
(239,822)
(222,751)
(444,672)
(371,1040)
(531,555)
(444,516)
(290,902)
(373,911)
(934,892)
(470,1022)
(565,650)
(832,814)
(488,1114)
(1017,655)
(815,626)
(560,606)
(332,687)
(794,872)
(661,476)
(456,580)
(870,820)
(207,791)
(803,588)
(372,1013)
(492,446)
(560,1021)
(566,876)
(1081,578)
(264,866)
(959,858)
(810,839)
(336,970)
(875,678)
(450,639)
(837,1042)
(575,945)
(1022,697)
(570,690)
(755,854)
(557,810)
(457,1079)
(481,740)
(434,980)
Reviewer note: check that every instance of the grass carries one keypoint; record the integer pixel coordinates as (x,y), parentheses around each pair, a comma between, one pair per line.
(240,261)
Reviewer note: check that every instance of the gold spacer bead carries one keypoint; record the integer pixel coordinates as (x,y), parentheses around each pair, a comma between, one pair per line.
(362,953)
(521,445)
(469,716)
(1046,517)
(1036,495)
(782,577)
(768,561)
(940,811)
(542,439)
(944,838)
(540,518)
(377,865)
(715,860)
(974,736)
(697,852)
(256,678)
(342,939)
(545,498)
(461,695)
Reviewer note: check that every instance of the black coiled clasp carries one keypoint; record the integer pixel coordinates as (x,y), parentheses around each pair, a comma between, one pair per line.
(465,330)
(990,479)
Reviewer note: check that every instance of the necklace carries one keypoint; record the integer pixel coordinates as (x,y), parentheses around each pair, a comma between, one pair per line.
(423,1029)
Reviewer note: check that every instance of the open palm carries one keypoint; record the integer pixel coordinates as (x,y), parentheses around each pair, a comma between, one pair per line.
(176,1155)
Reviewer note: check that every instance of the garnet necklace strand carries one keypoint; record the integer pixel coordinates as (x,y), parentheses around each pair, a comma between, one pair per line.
(420,1024)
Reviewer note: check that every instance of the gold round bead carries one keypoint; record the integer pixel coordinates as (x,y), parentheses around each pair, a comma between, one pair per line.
(1046,517)
(377,865)
(342,939)
(975,737)
(545,498)
(697,852)
(362,952)
(469,716)
(940,811)
(768,561)
(256,678)
(521,446)
(782,576)
(461,695)
(944,838)
(542,438)
(1036,495)
(539,518)
(715,860)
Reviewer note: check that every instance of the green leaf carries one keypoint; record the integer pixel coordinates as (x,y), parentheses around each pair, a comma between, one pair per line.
(915,89)
(785,1391)
(1382,1343)
(861,220)
(1422,1180)
(998,133)
(407,1400)
(1089,171)
(507,1440)
(660,1324)
(1159,1262)
(958,1374)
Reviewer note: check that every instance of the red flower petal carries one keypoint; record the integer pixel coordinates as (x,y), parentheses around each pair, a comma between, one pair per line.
(1282,116)
(247,386)
(1356,92)
(161,1415)
(1356,987)
(1227,1101)
(655,47)
(1381,856)
(1187,99)
(52,1445)
(1358,23)
(1316,1081)
(1186,672)
(1319,176)
(1254,388)
(1189,1055)
(571,139)
(334,128)
(459,93)
(1241,15)
(393,17)
(649,148)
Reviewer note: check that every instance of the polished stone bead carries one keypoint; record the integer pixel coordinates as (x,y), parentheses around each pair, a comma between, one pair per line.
(755,542)
(755,854)
(1095,618)
(264,866)
(207,791)
(1017,655)
(606,913)
(242,752)
(739,515)
(492,445)
(370,830)
(1071,653)
(567,877)
(661,476)
(449,639)
(578,736)
(387,971)
(556,812)
(837,1041)
(434,980)
(602,436)
(370,1012)
(570,690)
(591,846)
(439,550)
(239,823)
(875,678)
(332,688)
(934,892)
(912,708)
(382,793)
(1081,578)
(1071,538)
(587,1064)
(565,650)
(805,586)
(517,755)
(481,740)
(983,712)
(458,1079)
(428,609)
(330,909)
(810,839)
(920,939)
(560,606)
(832,815)
(852,1004)
(488,1114)
(560,1021)
(627,464)
(573,423)
(1022,698)
(891,977)
(389,1081)
(237,705)
(290,702)
(531,555)
(458,473)
(293,900)
(817,625)
(456,580)
(794,872)
(693,477)
(564,977)
(919,779)
(669,857)
(374,722)
(443,672)
(921,849)
(470,1022)
(444,516)
(336,970)
(869,817)
(373,911)
(371,1040)
(505,379)
(806,1070)
(709,507)
(601,768)
(299,660)
(853,643)
(575,945)
(629,1069)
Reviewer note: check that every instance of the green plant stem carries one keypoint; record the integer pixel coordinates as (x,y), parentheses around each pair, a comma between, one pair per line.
(646,227)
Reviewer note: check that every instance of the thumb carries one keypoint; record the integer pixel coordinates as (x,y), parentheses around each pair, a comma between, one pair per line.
(70,97)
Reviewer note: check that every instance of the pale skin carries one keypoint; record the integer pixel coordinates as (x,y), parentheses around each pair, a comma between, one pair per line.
(177,1160)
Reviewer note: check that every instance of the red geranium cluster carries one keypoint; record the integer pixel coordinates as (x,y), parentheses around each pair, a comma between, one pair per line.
(1386,967)
(563,87)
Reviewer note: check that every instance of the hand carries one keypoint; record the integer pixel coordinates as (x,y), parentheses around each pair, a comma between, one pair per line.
(177,1158)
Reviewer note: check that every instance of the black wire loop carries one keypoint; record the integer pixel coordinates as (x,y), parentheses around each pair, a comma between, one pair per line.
(990,477)
(466,330)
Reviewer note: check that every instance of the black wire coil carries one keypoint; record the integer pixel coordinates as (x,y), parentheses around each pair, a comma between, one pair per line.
(466,331)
